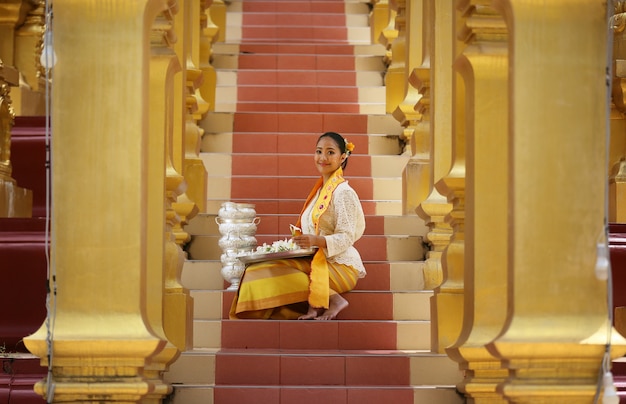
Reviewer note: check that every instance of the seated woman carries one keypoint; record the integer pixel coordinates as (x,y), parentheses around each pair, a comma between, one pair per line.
(332,219)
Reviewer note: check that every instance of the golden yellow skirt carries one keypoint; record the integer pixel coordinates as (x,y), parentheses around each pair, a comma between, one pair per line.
(279,289)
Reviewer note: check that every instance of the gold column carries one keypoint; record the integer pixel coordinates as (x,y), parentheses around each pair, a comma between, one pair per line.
(447,301)
(617,148)
(20,34)
(164,65)
(435,106)
(378,19)
(412,17)
(186,175)
(185,153)
(557,324)
(395,77)
(483,66)
(386,38)
(12,14)
(30,98)
(28,42)
(218,15)
(210,34)
(14,200)
(101,329)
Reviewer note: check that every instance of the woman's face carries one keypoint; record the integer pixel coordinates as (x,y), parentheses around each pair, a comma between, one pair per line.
(328,157)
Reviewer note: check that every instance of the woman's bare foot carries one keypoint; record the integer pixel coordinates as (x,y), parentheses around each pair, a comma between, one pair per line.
(335,305)
(311,314)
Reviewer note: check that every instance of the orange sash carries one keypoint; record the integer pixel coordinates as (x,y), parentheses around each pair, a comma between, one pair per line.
(319,290)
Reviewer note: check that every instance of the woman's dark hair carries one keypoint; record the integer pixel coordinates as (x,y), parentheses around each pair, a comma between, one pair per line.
(341,143)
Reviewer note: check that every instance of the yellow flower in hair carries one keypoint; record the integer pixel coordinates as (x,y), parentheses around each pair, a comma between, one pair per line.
(349,147)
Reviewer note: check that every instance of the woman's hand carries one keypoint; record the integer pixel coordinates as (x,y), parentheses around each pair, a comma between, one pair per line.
(310,240)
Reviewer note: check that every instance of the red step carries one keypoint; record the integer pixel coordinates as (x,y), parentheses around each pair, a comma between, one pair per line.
(300,107)
(295,19)
(289,143)
(312,395)
(309,335)
(301,165)
(297,48)
(293,6)
(368,305)
(297,123)
(371,306)
(296,62)
(296,94)
(264,187)
(271,368)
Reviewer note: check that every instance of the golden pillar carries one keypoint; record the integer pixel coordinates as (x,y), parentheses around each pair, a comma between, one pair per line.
(12,15)
(186,176)
(617,148)
(28,42)
(395,77)
(435,83)
(31,97)
(21,27)
(386,38)
(447,301)
(14,200)
(101,338)
(483,66)
(378,19)
(210,34)
(164,66)
(415,188)
(557,327)
(186,145)
(218,15)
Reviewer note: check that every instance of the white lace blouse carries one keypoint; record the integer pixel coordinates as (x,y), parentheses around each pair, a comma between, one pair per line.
(342,224)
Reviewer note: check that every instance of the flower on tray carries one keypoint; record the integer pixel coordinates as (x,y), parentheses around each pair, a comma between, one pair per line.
(276,246)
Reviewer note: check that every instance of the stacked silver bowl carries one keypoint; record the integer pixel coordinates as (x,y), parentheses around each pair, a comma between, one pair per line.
(237,224)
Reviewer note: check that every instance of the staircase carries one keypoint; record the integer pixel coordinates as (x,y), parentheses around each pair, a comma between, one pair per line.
(288,71)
